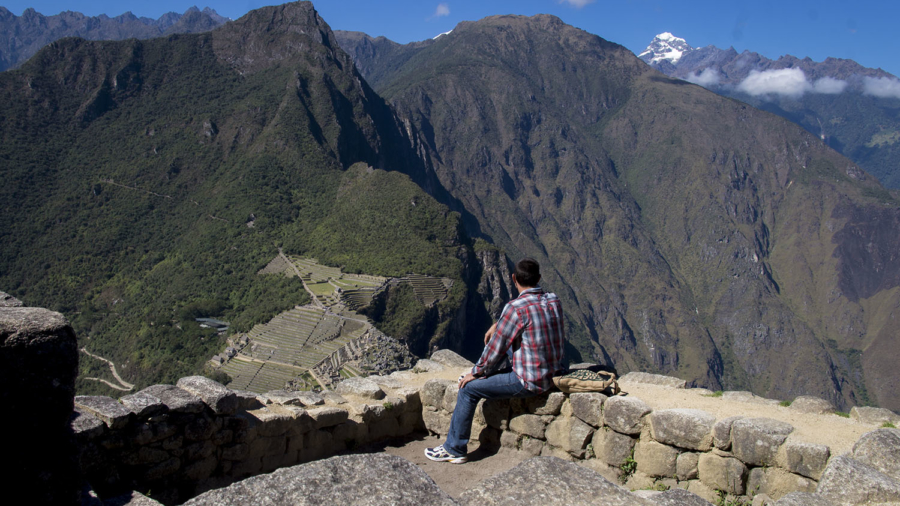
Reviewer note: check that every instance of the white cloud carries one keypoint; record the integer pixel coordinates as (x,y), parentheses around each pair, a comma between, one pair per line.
(788,82)
(577,3)
(442,10)
(708,77)
(829,86)
(884,87)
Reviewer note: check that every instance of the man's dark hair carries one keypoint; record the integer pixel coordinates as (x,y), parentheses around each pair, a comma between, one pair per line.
(528,272)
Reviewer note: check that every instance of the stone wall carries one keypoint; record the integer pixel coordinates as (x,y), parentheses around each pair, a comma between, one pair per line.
(623,439)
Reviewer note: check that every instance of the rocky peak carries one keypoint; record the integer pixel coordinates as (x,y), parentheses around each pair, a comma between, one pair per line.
(665,47)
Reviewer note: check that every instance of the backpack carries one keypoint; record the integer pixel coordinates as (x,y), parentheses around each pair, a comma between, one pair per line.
(584,380)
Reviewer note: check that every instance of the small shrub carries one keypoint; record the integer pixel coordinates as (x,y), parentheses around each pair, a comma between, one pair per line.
(888,425)
(628,467)
(784,404)
(388,405)
(717,393)
(841,413)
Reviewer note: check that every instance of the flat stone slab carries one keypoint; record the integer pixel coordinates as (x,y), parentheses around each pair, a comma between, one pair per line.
(875,416)
(214,394)
(7,300)
(328,416)
(425,365)
(848,481)
(104,408)
(881,450)
(386,381)
(810,404)
(247,400)
(310,399)
(143,404)
(548,480)
(624,414)
(360,387)
(333,397)
(749,397)
(654,379)
(806,459)
(283,397)
(176,399)
(684,428)
(348,479)
(678,497)
(756,440)
(86,426)
(451,359)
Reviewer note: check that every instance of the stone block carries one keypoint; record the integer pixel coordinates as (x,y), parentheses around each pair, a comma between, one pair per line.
(722,432)
(412,397)
(722,473)
(270,421)
(588,407)
(432,393)
(236,451)
(384,428)
(199,428)
(437,422)
(570,434)
(655,459)
(612,448)
(327,416)
(163,469)
(144,456)
(222,437)
(653,379)
(529,425)
(85,426)
(451,359)
(360,387)
(874,416)
(106,409)
(386,381)
(613,474)
(267,446)
(247,400)
(495,413)
(799,499)
(640,481)
(200,470)
(705,491)
(552,451)
(176,399)
(547,403)
(143,404)
(756,440)
(350,433)
(509,439)
(425,365)
(316,445)
(625,414)
(410,422)
(776,482)
(283,397)
(686,467)
(805,459)
(199,450)
(448,403)
(880,449)
(678,497)
(246,467)
(748,397)
(532,446)
(684,428)
(220,399)
(810,404)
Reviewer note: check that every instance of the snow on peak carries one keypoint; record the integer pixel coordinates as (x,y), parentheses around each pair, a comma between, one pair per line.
(441,34)
(665,47)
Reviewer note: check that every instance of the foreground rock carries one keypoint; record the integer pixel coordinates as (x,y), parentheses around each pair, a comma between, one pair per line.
(349,479)
(549,480)
(38,364)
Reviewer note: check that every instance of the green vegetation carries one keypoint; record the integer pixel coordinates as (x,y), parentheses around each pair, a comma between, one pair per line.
(784,404)
(726,500)
(628,467)
(717,393)
(888,425)
(842,414)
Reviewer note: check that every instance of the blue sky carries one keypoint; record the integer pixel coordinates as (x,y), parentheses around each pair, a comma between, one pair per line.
(862,30)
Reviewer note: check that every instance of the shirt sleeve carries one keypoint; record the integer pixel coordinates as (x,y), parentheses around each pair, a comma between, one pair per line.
(507,329)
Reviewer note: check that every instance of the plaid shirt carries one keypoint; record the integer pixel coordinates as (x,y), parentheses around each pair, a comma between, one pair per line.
(532,325)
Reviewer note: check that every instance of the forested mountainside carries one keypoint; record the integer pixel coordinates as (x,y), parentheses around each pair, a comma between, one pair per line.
(146,183)
(23,36)
(688,233)
(854,109)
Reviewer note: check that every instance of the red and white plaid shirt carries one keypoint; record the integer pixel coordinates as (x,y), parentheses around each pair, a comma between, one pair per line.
(532,324)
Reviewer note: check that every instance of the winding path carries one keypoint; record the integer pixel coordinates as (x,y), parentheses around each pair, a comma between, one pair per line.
(315,299)
(126,386)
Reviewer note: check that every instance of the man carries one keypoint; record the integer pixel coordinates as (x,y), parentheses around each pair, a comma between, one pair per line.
(531,328)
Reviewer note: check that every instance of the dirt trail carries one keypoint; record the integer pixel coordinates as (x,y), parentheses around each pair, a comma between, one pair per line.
(315,299)
(126,386)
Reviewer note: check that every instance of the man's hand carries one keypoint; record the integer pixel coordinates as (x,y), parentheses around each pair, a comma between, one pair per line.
(465,379)
(489,333)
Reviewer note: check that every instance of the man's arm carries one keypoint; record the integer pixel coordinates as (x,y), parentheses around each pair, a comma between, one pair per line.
(499,342)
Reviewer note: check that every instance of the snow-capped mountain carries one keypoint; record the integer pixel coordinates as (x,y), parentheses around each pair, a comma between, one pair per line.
(665,47)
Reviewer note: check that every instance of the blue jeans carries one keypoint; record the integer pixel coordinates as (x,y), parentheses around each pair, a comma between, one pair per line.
(499,386)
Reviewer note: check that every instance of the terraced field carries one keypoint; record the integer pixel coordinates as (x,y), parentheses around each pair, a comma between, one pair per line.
(429,290)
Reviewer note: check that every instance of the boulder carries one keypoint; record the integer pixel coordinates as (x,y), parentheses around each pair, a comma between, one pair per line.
(570,434)
(560,482)
(360,387)
(848,481)
(220,399)
(449,401)
(425,365)
(722,432)
(38,365)
(686,466)
(881,450)
(803,499)
(612,448)
(588,407)
(653,379)
(176,399)
(451,359)
(748,397)
(810,404)
(7,300)
(756,440)
(432,393)
(548,403)
(367,479)
(722,473)
(805,459)
(655,459)
(678,497)
(776,482)
(625,414)
(874,416)
(143,404)
(684,428)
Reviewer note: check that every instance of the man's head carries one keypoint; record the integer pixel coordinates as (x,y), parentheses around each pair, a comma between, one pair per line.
(528,273)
